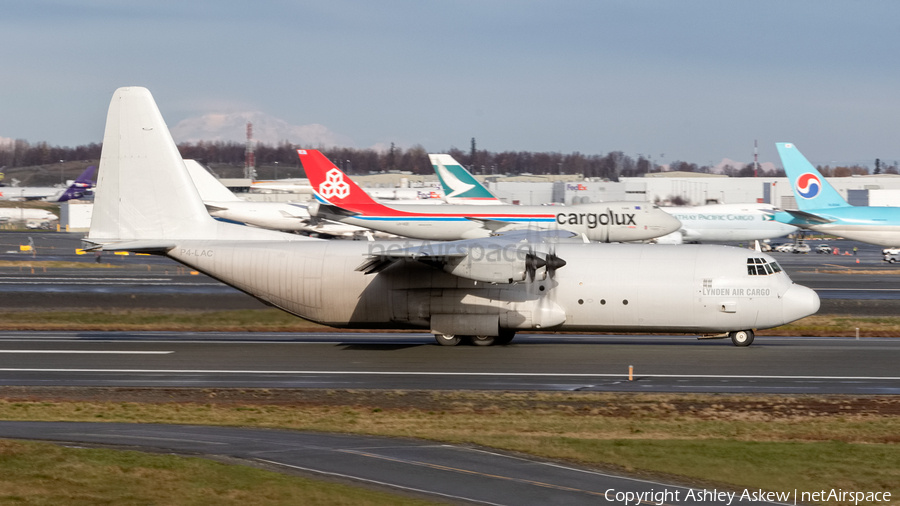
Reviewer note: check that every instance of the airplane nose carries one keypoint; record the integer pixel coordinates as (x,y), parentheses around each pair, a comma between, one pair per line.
(799,302)
(668,223)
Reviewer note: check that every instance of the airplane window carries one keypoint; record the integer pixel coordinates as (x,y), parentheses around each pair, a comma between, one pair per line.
(751,270)
(769,269)
(776,267)
(760,260)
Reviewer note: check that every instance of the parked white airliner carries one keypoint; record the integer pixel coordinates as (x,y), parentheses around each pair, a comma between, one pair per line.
(483,289)
(725,222)
(225,205)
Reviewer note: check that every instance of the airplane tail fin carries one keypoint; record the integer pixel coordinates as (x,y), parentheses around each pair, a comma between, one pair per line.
(458,183)
(811,189)
(81,186)
(330,184)
(209,188)
(144,196)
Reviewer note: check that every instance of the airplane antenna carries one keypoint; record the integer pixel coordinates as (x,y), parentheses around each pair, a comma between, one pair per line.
(755,159)
(249,155)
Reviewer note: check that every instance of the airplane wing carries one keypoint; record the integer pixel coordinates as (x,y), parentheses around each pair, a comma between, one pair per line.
(506,258)
(494,226)
(291,216)
(324,210)
(213,209)
(810,217)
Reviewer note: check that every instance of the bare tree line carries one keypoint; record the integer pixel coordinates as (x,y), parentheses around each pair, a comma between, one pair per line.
(611,166)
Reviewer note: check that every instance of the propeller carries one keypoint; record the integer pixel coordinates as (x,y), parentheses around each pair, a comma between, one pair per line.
(548,311)
(532,264)
(553,262)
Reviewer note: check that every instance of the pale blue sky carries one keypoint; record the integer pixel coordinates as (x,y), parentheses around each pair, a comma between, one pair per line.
(695,80)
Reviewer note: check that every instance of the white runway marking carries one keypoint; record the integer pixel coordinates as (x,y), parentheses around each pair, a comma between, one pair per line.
(90,352)
(447,373)
(386,484)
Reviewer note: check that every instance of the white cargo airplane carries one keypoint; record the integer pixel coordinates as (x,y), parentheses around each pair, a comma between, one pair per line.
(483,289)
(23,214)
(725,222)
(286,216)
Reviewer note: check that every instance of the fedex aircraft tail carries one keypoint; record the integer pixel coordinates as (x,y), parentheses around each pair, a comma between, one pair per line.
(81,186)
(331,185)
(145,199)
(810,188)
(459,185)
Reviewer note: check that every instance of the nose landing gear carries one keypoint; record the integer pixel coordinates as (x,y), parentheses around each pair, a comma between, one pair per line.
(741,337)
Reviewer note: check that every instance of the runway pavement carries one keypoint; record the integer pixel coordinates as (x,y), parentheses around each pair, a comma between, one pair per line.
(413,361)
(455,473)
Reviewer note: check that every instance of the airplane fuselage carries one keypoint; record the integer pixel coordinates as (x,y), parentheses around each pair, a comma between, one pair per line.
(725,222)
(873,225)
(647,288)
(603,222)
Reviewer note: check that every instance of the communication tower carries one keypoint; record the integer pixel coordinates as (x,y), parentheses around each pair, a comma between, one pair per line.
(249,156)
(755,159)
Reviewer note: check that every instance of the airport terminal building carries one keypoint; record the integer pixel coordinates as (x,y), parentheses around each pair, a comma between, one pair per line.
(697,189)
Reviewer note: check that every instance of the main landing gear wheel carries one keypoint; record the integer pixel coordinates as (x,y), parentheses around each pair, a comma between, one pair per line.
(742,337)
(483,340)
(505,337)
(446,339)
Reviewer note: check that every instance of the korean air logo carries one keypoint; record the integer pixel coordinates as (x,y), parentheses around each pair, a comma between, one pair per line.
(334,185)
(808,185)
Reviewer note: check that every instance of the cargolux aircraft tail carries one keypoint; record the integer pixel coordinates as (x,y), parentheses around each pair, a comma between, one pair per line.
(81,186)
(460,187)
(332,186)
(811,190)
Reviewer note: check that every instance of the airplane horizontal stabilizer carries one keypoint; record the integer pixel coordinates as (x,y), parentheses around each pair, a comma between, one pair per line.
(160,247)
(803,215)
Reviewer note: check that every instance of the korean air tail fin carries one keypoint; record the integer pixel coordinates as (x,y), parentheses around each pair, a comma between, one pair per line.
(145,199)
(460,187)
(811,189)
(331,185)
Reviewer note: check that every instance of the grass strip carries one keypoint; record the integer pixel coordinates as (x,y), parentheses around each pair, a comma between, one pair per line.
(43,473)
(102,319)
(773,443)
(839,325)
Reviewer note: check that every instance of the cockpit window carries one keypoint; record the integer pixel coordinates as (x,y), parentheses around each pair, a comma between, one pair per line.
(760,267)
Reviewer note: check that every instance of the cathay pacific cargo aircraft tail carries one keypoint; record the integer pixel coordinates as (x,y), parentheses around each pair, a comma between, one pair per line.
(460,186)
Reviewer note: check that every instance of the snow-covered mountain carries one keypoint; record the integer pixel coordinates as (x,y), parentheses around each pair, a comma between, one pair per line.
(266,128)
